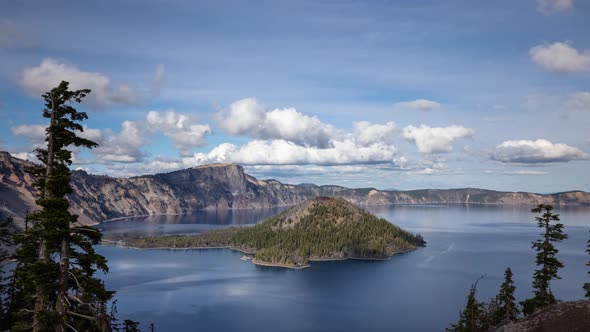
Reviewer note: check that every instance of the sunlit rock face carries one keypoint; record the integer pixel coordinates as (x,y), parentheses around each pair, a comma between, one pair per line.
(98,198)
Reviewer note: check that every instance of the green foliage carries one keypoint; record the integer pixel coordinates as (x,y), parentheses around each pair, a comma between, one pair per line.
(474,317)
(546,260)
(503,307)
(322,228)
(587,285)
(55,284)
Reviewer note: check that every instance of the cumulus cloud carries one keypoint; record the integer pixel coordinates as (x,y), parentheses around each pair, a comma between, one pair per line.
(580,101)
(124,147)
(180,128)
(366,133)
(34,133)
(435,139)
(282,152)
(537,151)
(419,104)
(560,57)
(249,117)
(549,7)
(40,79)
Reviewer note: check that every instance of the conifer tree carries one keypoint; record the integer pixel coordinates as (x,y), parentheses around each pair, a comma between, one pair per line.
(505,308)
(63,294)
(587,285)
(546,260)
(473,317)
(5,240)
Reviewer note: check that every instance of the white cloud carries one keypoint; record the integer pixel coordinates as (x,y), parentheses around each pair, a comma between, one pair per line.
(580,101)
(435,139)
(34,133)
(40,79)
(537,151)
(282,152)
(561,57)
(94,135)
(515,172)
(249,117)
(549,7)
(180,128)
(366,133)
(123,147)
(25,156)
(419,104)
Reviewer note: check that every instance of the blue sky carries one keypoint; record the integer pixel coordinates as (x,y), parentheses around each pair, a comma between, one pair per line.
(386,94)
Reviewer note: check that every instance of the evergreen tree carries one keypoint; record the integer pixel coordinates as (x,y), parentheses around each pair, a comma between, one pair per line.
(63,294)
(473,317)
(5,241)
(587,285)
(505,308)
(546,260)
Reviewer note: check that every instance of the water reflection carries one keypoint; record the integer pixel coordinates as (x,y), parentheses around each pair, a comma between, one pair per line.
(196,222)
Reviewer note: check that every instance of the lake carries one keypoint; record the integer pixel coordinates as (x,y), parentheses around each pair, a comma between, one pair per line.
(424,290)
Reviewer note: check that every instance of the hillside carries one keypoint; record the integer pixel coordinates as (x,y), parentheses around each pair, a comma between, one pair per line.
(321,228)
(98,198)
(569,316)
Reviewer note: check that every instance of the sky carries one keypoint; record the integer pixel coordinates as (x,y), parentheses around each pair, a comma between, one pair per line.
(385,94)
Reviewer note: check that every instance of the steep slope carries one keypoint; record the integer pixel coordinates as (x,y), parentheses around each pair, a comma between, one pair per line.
(98,198)
(321,228)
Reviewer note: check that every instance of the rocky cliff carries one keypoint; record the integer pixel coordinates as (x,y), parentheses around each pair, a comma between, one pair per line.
(224,186)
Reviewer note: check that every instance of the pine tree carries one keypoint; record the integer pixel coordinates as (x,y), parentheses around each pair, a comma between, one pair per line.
(587,285)
(473,317)
(546,252)
(505,308)
(64,294)
(5,240)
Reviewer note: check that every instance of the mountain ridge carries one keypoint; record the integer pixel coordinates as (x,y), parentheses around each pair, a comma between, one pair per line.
(98,198)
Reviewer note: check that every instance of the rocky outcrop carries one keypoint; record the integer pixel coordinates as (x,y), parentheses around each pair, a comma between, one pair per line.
(98,198)
(566,316)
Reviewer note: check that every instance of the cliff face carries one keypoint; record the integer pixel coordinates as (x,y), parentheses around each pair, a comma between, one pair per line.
(223,186)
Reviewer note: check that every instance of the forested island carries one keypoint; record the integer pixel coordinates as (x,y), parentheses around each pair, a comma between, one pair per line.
(321,228)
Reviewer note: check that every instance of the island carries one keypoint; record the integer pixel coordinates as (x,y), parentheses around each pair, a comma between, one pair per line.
(321,228)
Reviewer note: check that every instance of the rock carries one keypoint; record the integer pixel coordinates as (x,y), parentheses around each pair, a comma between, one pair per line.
(570,316)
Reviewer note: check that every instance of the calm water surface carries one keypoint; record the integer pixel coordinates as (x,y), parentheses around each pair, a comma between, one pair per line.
(213,290)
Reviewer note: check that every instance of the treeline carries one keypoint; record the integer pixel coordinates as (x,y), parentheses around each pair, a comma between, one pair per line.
(502,309)
(323,228)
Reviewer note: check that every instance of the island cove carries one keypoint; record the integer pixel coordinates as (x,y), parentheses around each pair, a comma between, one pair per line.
(318,229)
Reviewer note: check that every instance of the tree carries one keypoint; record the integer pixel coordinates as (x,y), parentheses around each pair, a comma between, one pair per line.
(587,285)
(504,308)
(473,317)
(63,294)
(546,260)
(5,240)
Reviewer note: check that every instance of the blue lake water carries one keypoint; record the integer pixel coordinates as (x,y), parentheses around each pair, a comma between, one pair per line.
(213,290)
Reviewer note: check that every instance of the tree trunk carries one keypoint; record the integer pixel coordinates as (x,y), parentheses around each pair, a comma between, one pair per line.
(61,306)
(41,301)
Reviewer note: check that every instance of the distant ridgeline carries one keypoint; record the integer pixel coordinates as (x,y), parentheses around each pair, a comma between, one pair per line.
(321,228)
(97,198)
